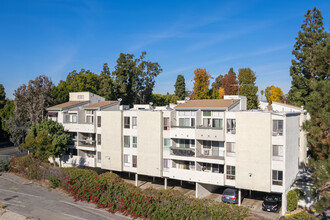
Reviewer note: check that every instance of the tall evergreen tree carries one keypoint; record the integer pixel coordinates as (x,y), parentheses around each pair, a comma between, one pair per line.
(201,84)
(180,87)
(310,80)
(309,46)
(247,80)
(107,89)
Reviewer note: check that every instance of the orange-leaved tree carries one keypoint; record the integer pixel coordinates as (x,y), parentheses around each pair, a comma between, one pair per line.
(201,84)
(221,93)
(273,93)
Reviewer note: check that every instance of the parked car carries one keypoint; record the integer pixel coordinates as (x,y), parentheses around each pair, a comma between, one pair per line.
(272,203)
(230,195)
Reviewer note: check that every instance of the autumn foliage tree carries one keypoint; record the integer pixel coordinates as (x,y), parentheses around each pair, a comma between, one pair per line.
(201,84)
(228,83)
(273,93)
(221,93)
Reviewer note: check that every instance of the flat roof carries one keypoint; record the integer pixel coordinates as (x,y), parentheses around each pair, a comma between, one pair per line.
(207,104)
(100,104)
(65,105)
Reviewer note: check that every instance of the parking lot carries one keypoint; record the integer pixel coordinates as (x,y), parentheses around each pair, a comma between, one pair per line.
(254,202)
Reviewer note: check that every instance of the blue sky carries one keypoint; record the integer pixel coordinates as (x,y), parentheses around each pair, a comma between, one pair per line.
(55,37)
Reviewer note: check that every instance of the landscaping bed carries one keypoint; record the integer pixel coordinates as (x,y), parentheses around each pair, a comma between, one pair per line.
(110,192)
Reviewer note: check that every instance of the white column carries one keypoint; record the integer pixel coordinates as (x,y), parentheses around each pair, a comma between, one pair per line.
(153,179)
(283,203)
(239,197)
(129,175)
(197,186)
(180,182)
(136,179)
(165,183)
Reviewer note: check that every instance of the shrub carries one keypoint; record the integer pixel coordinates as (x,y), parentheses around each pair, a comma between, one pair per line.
(301,215)
(292,200)
(54,182)
(4,165)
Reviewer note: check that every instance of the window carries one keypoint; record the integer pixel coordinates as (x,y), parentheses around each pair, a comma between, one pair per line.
(186,143)
(99,139)
(206,167)
(80,97)
(207,122)
(184,122)
(126,122)
(89,119)
(74,118)
(277,151)
(206,113)
(231,126)
(134,159)
(207,144)
(127,141)
(99,157)
(166,164)
(217,168)
(134,145)
(230,149)
(217,123)
(167,142)
(134,122)
(166,124)
(67,118)
(277,127)
(277,177)
(126,160)
(230,173)
(99,121)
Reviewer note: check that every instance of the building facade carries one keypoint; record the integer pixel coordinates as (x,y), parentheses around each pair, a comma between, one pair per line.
(212,143)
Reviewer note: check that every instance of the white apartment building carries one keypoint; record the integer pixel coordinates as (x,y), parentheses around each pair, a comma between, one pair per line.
(213,143)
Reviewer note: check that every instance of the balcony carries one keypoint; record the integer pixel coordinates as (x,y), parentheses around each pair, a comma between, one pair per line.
(210,133)
(79,127)
(178,131)
(195,176)
(183,152)
(73,161)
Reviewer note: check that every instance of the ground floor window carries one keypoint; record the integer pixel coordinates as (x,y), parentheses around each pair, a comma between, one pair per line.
(277,177)
(166,164)
(134,159)
(126,160)
(230,173)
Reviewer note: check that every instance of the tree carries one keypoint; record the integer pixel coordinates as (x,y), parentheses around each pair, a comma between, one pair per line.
(180,87)
(81,81)
(216,86)
(201,84)
(30,103)
(162,100)
(247,79)
(310,81)
(107,88)
(47,139)
(2,96)
(273,94)
(135,78)
(221,93)
(307,64)
(5,113)
(229,81)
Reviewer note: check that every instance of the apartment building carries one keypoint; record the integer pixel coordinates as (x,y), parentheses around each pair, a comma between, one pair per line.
(213,143)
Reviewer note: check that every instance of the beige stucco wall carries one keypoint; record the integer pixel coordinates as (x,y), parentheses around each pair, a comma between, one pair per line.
(150,143)
(253,151)
(112,138)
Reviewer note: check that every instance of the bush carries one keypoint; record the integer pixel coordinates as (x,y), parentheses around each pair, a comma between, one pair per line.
(301,215)
(54,182)
(4,165)
(292,200)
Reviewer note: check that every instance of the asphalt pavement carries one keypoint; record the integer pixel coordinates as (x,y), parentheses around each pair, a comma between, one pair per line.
(37,202)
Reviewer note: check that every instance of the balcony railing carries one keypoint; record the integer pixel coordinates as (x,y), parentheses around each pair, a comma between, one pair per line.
(278,158)
(181,126)
(208,127)
(278,133)
(179,151)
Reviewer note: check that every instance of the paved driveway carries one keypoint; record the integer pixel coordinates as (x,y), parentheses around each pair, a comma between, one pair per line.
(32,200)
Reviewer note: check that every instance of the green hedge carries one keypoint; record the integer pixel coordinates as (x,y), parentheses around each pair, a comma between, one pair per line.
(110,192)
(292,200)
